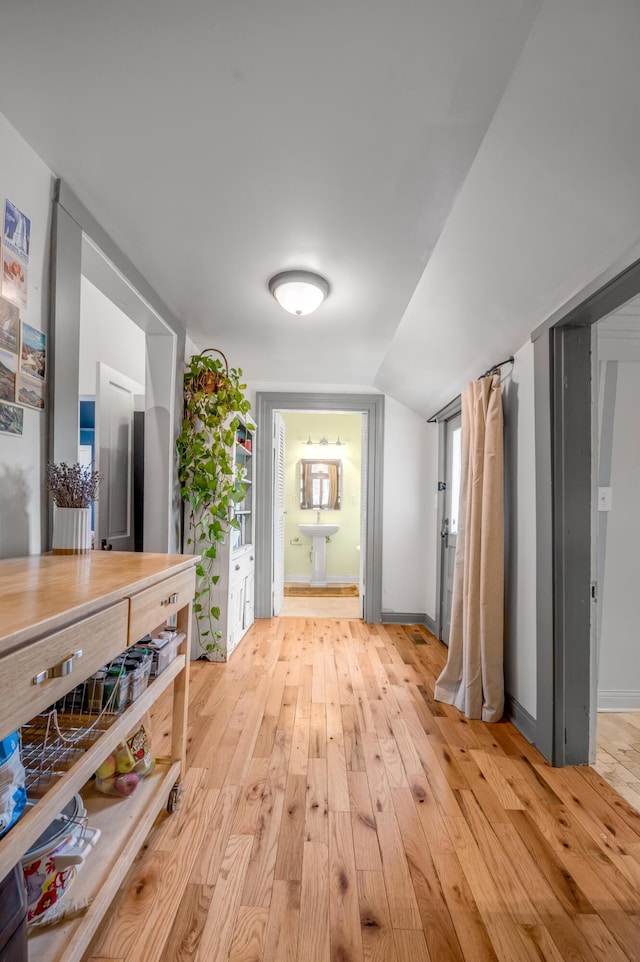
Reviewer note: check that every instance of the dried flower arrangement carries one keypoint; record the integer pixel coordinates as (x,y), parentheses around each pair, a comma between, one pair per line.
(73,486)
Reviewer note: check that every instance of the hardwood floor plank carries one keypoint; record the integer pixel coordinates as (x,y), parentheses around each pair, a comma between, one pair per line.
(411,946)
(363,823)
(219,928)
(401,896)
(344,912)
(316,821)
(313,941)
(247,943)
(375,921)
(291,837)
(281,937)
(186,931)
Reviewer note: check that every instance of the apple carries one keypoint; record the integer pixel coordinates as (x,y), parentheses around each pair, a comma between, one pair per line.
(124,759)
(126,784)
(108,767)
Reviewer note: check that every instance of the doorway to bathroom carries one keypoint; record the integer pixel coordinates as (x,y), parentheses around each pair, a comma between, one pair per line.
(318,515)
(273,498)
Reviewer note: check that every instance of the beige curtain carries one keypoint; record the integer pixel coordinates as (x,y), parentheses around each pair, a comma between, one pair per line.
(473,678)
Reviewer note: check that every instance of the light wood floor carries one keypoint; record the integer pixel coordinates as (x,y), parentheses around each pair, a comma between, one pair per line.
(618,753)
(335,813)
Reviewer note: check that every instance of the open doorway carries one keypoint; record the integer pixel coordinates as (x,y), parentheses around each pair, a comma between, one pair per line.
(568,540)
(617,756)
(321,575)
(269,468)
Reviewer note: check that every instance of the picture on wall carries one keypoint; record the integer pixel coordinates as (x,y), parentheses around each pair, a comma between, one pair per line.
(29,391)
(14,278)
(9,326)
(17,231)
(11,419)
(33,351)
(8,368)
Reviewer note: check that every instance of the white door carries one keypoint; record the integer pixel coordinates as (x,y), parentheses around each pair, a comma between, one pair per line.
(449,522)
(278,512)
(115,403)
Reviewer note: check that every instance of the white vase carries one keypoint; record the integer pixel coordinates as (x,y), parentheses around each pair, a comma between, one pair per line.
(71,530)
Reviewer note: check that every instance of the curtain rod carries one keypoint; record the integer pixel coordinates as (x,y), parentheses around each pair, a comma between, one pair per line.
(491,370)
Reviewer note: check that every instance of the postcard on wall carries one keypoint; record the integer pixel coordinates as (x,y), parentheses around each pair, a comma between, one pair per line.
(8,368)
(17,231)
(11,419)
(29,391)
(14,278)
(33,351)
(9,326)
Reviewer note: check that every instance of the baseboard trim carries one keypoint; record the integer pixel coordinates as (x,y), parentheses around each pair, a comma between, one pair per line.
(430,625)
(403,618)
(520,718)
(331,579)
(618,700)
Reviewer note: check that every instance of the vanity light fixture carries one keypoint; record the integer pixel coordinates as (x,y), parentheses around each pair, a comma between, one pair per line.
(299,292)
(323,442)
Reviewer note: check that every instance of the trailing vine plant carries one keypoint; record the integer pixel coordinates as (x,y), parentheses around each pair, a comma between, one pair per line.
(209,480)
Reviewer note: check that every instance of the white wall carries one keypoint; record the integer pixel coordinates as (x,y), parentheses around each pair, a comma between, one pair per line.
(619,675)
(520,531)
(28,183)
(410,469)
(107,335)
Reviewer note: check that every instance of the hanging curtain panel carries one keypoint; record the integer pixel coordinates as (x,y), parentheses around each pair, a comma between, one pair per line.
(473,678)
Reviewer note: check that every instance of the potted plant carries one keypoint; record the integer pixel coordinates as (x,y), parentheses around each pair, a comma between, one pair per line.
(74,488)
(210,485)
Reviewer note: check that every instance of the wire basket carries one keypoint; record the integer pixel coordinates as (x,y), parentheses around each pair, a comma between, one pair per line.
(52,741)
(210,381)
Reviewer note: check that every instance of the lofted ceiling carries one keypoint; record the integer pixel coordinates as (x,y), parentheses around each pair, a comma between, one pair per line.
(419,154)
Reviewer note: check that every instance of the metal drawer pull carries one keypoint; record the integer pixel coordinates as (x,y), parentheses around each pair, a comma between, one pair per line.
(237,567)
(171,600)
(58,671)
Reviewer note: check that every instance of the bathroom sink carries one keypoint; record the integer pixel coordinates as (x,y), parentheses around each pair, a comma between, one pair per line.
(319,530)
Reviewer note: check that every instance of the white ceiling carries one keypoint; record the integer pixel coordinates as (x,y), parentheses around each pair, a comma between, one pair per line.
(455,169)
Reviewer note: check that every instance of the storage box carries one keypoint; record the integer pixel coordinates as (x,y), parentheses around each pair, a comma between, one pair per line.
(163,652)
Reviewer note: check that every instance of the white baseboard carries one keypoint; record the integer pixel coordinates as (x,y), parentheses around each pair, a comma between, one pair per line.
(618,700)
(331,579)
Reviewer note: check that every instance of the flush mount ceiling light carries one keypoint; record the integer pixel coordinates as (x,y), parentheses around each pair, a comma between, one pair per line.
(299,292)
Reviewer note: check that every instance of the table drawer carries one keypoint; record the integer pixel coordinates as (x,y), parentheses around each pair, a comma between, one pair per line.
(149,608)
(241,566)
(36,675)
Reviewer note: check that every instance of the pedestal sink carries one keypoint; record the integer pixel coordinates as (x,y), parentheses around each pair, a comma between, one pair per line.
(319,533)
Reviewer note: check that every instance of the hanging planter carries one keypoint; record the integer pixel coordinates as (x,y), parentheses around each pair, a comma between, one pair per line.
(213,399)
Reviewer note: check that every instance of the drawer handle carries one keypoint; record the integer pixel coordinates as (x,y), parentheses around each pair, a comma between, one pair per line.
(237,567)
(251,558)
(58,671)
(171,600)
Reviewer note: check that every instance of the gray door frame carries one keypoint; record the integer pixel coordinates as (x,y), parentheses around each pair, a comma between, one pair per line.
(565,579)
(80,245)
(452,410)
(373,406)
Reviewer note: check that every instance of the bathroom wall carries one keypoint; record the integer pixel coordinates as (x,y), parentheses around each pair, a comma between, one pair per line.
(343,550)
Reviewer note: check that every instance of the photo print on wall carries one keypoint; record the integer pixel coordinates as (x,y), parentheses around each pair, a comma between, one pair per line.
(33,352)
(8,369)
(16,243)
(11,419)
(9,326)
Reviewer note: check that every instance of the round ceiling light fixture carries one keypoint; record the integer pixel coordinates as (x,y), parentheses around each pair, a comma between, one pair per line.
(299,292)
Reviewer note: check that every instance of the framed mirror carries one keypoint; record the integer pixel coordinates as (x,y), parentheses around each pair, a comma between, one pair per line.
(320,484)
